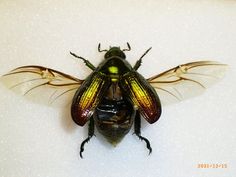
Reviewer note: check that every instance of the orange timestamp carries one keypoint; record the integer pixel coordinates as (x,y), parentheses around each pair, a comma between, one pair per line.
(212,165)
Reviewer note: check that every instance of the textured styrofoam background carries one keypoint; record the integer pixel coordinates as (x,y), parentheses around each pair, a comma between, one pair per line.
(36,140)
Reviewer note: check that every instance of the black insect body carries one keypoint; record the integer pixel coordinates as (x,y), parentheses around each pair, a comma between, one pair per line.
(114,96)
(113,88)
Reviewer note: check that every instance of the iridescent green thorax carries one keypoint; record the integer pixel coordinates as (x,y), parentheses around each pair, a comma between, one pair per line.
(113,69)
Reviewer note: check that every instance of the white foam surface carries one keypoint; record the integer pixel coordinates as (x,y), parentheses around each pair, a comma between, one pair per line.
(40,141)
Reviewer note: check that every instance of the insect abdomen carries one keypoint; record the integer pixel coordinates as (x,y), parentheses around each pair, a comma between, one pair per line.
(114,119)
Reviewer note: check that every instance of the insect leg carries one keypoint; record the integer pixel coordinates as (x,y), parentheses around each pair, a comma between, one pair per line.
(138,63)
(99,48)
(90,135)
(137,131)
(128,49)
(87,62)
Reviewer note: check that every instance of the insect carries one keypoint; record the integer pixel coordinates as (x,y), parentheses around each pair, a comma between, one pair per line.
(115,96)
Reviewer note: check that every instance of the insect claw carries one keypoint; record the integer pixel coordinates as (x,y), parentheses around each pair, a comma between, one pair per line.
(80,154)
(128,47)
(99,47)
(148,145)
(150,151)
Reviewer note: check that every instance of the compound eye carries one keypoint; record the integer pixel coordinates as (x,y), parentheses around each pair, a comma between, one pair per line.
(122,55)
(107,55)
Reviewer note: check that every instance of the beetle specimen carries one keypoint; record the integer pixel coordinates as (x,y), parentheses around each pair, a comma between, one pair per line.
(115,95)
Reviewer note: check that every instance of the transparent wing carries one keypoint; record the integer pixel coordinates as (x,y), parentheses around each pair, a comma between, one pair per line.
(42,84)
(187,80)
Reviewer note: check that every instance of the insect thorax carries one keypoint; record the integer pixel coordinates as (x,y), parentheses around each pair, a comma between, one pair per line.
(114,65)
(115,114)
